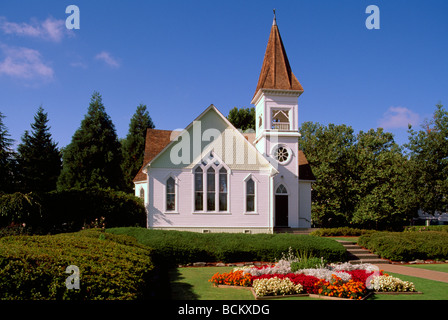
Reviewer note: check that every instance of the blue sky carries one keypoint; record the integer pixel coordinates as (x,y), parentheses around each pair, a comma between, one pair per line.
(178,57)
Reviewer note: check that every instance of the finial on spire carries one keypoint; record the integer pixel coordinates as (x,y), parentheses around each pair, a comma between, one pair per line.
(274,23)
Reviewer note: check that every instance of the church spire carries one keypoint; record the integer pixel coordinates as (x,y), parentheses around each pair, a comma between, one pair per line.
(276,72)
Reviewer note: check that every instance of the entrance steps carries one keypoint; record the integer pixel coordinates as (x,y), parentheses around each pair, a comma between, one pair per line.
(357,254)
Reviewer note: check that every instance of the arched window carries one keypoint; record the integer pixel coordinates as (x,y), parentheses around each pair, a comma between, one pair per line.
(281,190)
(250,195)
(198,189)
(170,194)
(211,185)
(211,189)
(223,189)
(142,193)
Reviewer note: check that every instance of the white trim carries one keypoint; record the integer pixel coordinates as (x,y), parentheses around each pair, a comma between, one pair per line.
(255,180)
(217,168)
(276,92)
(176,194)
(275,147)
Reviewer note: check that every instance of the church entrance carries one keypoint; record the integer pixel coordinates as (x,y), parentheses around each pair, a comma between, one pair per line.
(281,207)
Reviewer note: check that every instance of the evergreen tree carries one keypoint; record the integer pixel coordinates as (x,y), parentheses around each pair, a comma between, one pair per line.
(7,161)
(39,160)
(93,157)
(133,147)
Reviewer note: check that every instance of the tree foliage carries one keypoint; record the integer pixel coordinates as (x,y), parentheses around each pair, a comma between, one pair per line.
(93,158)
(39,160)
(7,160)
(360,178)
(133,146)
(243,118)
(428,149)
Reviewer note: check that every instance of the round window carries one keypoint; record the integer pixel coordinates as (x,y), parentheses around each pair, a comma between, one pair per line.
(281,154)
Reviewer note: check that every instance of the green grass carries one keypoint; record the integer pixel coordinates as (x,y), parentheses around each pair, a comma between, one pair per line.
(192,284)
(442,267)
(432,290)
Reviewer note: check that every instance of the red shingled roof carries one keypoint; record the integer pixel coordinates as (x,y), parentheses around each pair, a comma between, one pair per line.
(276,72)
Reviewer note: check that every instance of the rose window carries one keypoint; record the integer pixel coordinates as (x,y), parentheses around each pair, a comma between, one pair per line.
(281,154)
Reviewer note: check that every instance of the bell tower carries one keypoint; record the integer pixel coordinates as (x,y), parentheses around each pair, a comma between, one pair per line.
(277,134)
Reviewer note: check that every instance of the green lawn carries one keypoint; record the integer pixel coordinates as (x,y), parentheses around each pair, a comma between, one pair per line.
(443,267)
(192,284)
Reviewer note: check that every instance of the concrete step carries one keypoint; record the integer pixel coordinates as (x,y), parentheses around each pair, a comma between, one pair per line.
(369,256)
(372,261)
(358,251)
(352,246)
(356,254)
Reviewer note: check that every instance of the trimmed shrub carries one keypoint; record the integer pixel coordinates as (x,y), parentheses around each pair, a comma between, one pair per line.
(111,267)
(341,231)
(407,246)
(442,228)
(182,247)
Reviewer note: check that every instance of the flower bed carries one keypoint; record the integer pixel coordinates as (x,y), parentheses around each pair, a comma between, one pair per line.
(341,289)
(275,286)
(233,278)
(343,281)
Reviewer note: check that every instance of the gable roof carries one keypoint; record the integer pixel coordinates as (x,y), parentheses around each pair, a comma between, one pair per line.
(157,140)
(276,72)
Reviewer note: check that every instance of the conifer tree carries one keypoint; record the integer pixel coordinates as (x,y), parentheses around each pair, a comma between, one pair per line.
(6,159)
(93,157)
(39,160)
(133,147)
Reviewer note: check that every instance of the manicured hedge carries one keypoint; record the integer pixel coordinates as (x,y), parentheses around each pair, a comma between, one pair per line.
(442,228)
(111,266)
(341,231)
(407,246)
(181,247)
(70,210)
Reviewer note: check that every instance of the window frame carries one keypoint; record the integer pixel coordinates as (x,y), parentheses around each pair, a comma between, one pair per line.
(176,194)
(255,180)
(211,160)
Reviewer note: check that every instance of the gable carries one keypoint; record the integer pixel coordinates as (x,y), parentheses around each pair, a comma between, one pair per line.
(211,131)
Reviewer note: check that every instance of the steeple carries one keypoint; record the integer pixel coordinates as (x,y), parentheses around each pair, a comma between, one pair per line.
(276,72)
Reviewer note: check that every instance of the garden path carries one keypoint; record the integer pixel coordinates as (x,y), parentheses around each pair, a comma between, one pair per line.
(415,272)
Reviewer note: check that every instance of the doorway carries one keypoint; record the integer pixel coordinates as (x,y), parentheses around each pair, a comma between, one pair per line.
(281,206)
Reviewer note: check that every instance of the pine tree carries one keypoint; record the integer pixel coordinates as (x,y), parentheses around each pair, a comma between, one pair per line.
(93,157)
(7,160)
(133,147)
(39,160)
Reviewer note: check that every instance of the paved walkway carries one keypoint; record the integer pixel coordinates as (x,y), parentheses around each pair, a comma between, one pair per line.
(415,272)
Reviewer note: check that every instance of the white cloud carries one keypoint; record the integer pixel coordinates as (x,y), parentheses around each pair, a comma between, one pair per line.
(51,29)
(398,117)
(108,59)
(24,63)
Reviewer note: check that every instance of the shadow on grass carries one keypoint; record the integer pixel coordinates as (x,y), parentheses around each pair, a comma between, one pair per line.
(179,290)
